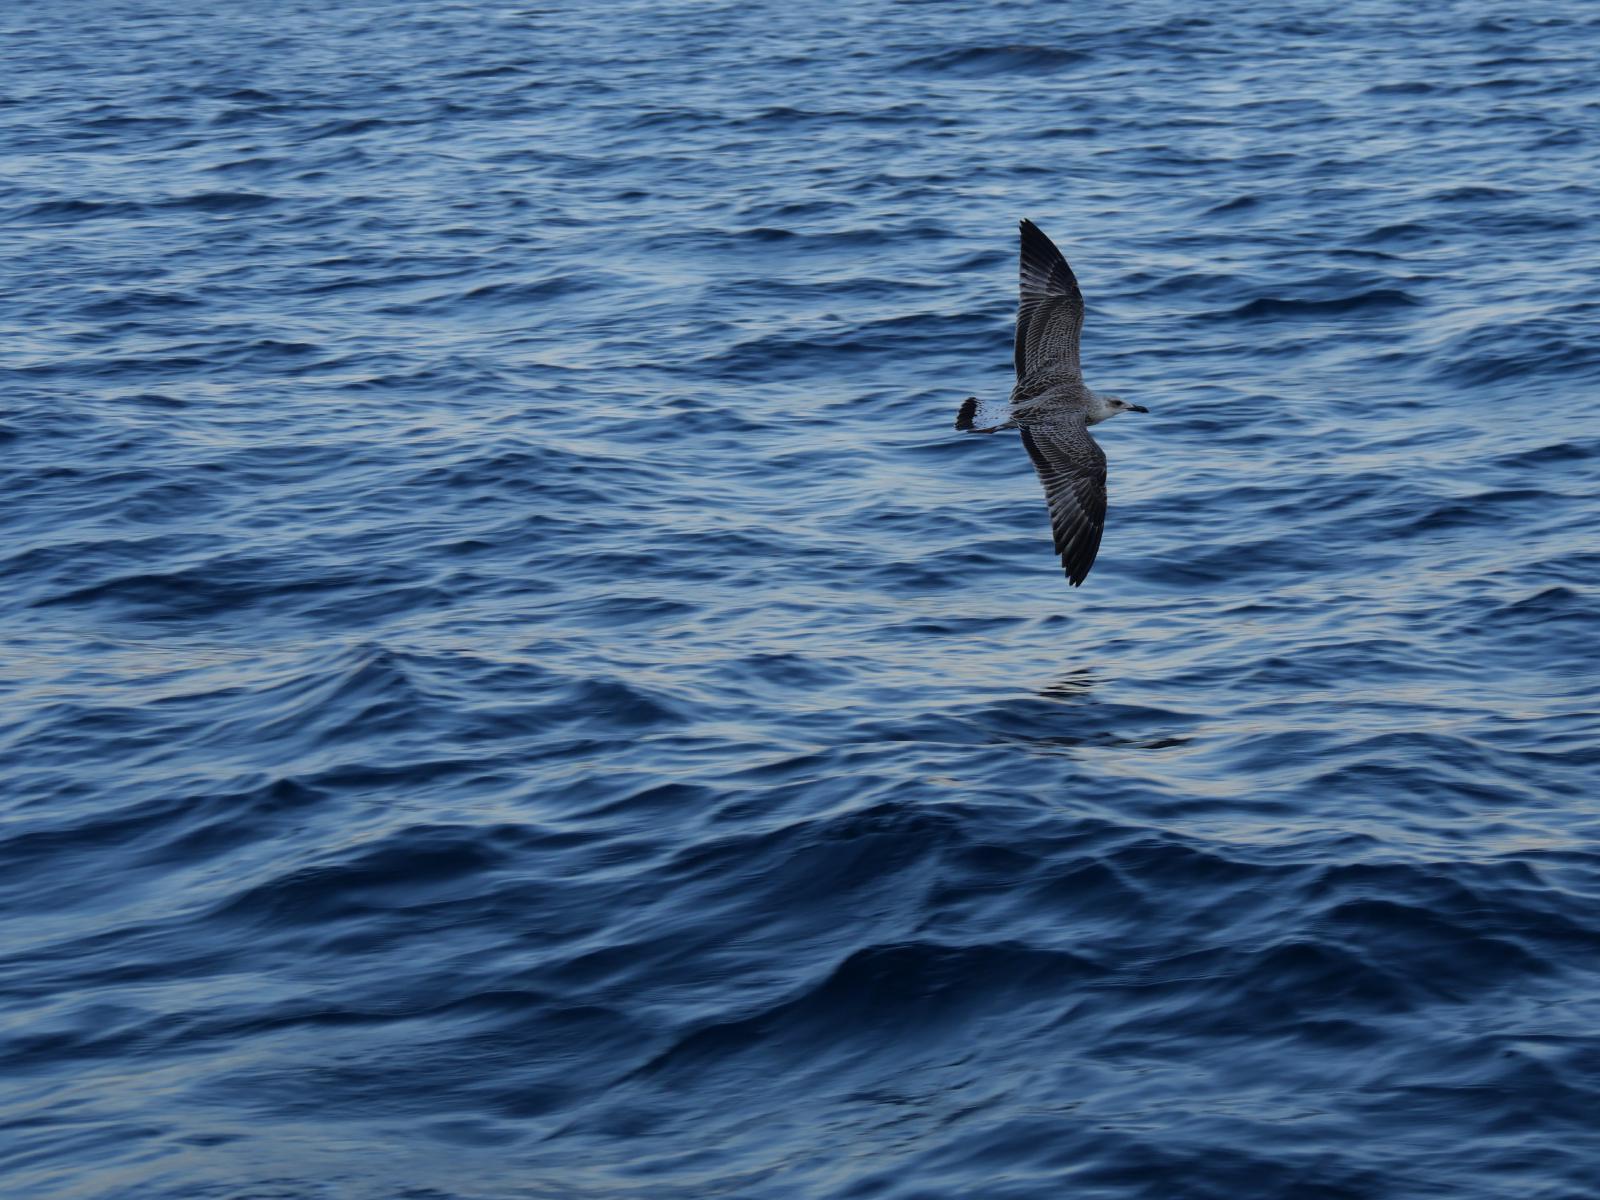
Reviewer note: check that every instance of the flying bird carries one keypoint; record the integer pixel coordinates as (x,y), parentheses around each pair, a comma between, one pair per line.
(1051,405)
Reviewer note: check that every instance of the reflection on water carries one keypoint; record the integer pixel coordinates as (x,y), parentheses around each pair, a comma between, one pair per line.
(1072,685)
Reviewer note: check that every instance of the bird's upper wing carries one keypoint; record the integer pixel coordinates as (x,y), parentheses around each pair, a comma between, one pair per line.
(1049,307)
(1072,468)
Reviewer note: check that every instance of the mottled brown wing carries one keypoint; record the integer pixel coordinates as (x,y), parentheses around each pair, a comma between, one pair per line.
(1072,468)
(1049,307)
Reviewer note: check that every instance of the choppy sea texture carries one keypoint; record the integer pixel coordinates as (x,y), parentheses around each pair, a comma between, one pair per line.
(513,687)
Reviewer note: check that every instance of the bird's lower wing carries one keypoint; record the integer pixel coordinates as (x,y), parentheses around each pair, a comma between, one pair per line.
(1072,468)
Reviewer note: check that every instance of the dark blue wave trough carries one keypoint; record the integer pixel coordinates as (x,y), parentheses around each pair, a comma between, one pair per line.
(511,688)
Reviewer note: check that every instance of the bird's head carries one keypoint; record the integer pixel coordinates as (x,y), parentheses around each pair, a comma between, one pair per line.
(1116,404)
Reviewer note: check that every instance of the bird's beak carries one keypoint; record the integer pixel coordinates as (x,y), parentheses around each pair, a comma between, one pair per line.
(1137,408)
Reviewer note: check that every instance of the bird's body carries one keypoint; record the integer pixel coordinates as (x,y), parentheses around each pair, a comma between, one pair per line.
(1052,406)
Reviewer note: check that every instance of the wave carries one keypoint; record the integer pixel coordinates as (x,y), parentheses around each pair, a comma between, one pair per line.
(983,61)
(1373,299)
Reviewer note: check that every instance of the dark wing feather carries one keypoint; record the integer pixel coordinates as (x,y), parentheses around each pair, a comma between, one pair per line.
(1072,468)
(1049,307)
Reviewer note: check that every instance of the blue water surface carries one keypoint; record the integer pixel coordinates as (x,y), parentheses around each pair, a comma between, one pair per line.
(513,687)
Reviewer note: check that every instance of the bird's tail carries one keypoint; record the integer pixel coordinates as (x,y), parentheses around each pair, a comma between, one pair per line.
(975,416)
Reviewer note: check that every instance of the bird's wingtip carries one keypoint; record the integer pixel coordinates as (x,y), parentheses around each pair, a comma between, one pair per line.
(1035,240)
(969,409)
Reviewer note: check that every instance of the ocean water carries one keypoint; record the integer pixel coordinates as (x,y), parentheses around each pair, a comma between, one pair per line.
(512,687)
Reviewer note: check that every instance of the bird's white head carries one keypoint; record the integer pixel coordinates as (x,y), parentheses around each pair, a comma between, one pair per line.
(1106,407)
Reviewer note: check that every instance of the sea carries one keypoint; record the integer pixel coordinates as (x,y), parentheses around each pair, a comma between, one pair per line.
(513,688)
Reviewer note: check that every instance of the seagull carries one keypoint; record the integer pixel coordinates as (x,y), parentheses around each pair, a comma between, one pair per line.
(1051,405)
